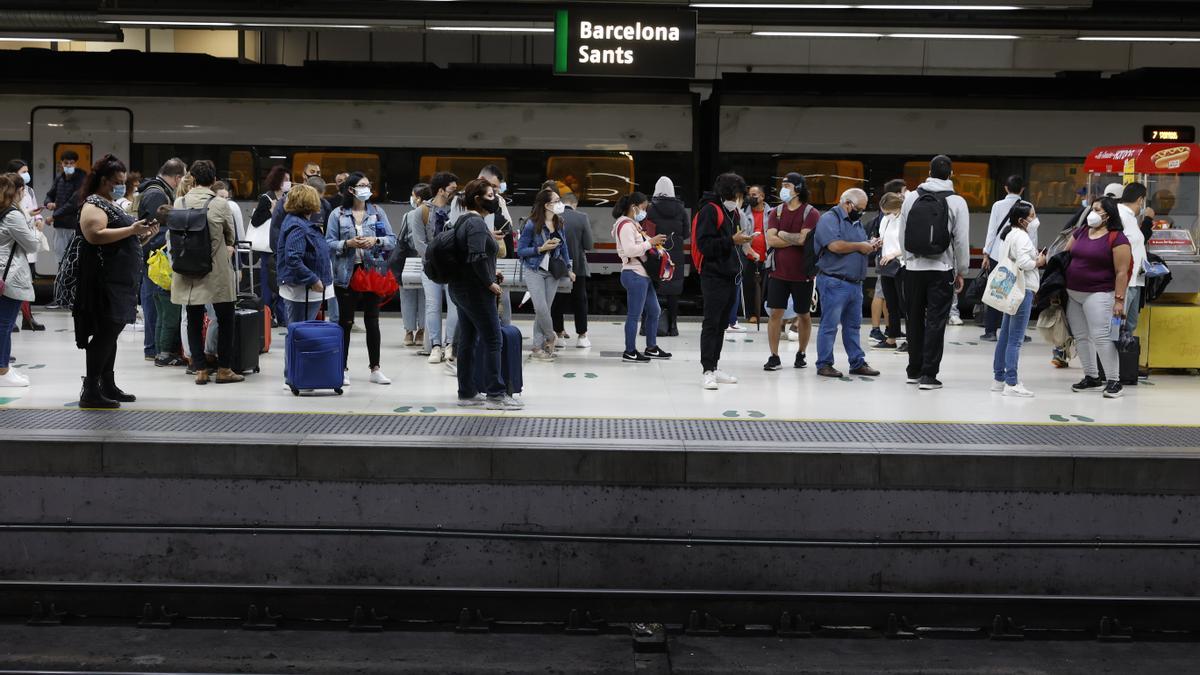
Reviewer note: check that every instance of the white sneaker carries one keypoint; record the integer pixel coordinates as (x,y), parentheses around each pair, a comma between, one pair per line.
(436,355)
(13,379)
(541,355)
(792,335)
(710,379)
(582,342)
(505,402)
(476,401)
(377,377)
(725,378)
(1017,390)
(998,385)
(735,329)
(956,321)
(408,338)
(346,379)
(448,352)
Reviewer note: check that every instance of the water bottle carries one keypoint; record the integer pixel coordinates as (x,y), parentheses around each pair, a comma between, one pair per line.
(1115,329)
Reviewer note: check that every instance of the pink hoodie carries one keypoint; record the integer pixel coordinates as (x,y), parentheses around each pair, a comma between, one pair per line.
(632,244)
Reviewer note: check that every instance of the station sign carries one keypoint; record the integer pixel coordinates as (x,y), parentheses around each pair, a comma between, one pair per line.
(628,42)
(1168,134)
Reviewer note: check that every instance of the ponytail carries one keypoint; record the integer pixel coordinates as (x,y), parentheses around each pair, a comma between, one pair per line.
(106,167)
(626,201)
(1019,211)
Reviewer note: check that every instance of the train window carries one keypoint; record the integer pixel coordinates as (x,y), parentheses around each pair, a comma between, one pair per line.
(972,181)
(1056,186)
(597,181)
(827,179)
(466,168)
(240,174)
(84,150)
(333,163)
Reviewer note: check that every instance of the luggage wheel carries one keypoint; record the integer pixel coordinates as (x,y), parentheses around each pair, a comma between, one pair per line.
(295,391)
(338,391)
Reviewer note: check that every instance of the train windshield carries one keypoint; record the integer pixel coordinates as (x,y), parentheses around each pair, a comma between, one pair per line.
(596,181)
(827,179)
(972,181)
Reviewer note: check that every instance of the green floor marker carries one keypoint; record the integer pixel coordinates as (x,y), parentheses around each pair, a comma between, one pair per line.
(756,413)
(1081,418)
(956,343)
(730,413)
(569,376)
(6,401)
(428,409)
(844,379)
(590,376)
(866,379)
(1146,383)
(38,366)
(19,365)
(61,330)
(973,344)
(403,409)
(1059,418)
(731,341)
(71,404)
(748,340)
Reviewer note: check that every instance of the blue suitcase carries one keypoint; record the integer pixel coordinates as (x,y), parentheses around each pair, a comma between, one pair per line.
(510,360)
(314,356)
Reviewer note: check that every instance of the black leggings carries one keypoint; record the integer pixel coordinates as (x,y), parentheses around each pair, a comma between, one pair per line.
(349,302)
(670,305)
(102,349)
(893,294)
(195,315)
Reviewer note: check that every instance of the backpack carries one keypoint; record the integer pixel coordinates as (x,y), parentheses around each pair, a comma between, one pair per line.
(190,241)
(927,230)
(446,256)
(697,256)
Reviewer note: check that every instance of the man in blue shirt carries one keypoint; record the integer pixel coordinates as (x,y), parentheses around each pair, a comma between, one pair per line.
(843,248)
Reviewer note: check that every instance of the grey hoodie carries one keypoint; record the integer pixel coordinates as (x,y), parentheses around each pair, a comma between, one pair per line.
(958,256)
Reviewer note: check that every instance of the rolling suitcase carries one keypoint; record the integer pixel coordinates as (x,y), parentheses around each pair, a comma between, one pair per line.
(314,356)
(1129,351)
(510,360)
(248,299)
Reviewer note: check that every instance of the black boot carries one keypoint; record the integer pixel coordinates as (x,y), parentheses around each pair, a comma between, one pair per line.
(662,330)
(32,324)
(109,389)
(673,329)
(91,397)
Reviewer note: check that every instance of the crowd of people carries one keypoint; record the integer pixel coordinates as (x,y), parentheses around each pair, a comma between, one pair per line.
(318,255)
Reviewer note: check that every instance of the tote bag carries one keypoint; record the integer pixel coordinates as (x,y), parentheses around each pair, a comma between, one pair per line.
(1005,290)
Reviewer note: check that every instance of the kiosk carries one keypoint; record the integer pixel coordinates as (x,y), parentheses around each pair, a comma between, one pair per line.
(1170,327)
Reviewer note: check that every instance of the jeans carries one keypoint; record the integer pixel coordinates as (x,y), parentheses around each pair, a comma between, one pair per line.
(578,301)
(147,293)
(224,328)
(479,321)
(435,293)
(297,312)
(412,308)
(719,295)
(841,305)
(542,289)
(930,293)
(167,336)
(350,301)
(1009,341)
(1133,308)
(892,287)
(333,310)
(643,304)
(8,317)
(737,304)
(1090,317)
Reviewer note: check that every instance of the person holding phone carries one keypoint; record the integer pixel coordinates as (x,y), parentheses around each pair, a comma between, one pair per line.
(844,247)
(1013,243)
(546,259)
(642,303)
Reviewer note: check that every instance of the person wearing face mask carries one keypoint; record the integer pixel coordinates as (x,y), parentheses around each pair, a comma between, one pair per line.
(1013,243)
(716,252)
(18,236)
(29,205)
(670,219)
(880,310)
(412,300)
(278,182)
(160,316)
(125,202)
(632,246)
(61,202)
(422,225)
(543,251)
(1097,279)
(842,260)
(358,235)
(754,217)
(108,267)
(1133,205)
(502,222)
(1014,186)
(577,229)
(789,227)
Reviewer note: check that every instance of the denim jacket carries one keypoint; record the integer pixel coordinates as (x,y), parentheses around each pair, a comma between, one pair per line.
(305,253)
(341,229)
(529,243)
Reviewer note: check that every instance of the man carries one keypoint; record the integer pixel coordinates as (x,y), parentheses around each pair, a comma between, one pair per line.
(503,229)
(718,243)
(1014,187)
(754,223)
(789,227)
(424,224)
(61,201)
(842,260)
(156,192)
(936,258)
(579,241)
(336,200)
(311,169)
(1132,208)
(879,315)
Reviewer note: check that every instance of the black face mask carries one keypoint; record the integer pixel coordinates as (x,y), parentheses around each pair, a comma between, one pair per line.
(854,215)
(490,205)
(753,202)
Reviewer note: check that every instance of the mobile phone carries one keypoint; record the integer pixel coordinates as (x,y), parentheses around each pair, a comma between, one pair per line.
(757,234)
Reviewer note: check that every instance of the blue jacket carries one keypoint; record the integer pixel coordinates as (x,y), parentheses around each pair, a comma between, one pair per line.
(529,243)
(341,229)
(305,253)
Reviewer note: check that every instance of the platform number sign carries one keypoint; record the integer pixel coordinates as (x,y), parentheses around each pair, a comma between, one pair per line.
(629,42)
(1169,134)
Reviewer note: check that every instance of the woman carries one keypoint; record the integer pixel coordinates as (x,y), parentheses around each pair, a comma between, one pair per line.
(18,237)
(305,272)
(278,182)
(632,246)
(1015,244)
(218,287)
(109,270)
(125,193)
(29,205)
(670,220)
(412,300)
(359,236)
(543,251)
(891,266)
(476,294)
(1101,260)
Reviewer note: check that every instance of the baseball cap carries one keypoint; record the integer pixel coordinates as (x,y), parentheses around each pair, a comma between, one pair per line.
(795,179)
(1114,190)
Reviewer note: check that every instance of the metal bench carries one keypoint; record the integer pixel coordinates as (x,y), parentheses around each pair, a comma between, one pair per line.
(511,268)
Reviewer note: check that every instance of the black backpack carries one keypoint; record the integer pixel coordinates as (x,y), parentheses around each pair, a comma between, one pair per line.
(927,230)
(190,242)
(446,256)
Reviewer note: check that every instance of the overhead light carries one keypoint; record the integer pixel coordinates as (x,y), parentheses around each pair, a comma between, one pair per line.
(33,39)
(765,5)
(491,29)
(964,8)
(953,36)
(1136,38)
(814,34)
(301,25)
(206,24)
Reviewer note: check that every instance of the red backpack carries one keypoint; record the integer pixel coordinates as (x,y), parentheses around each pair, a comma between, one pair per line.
(697,256)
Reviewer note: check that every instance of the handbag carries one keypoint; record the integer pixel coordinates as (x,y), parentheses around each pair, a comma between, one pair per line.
(558,267)
(260,237)
(1005,290)
(891,269)
(158,268)
(12,251)
(43,243)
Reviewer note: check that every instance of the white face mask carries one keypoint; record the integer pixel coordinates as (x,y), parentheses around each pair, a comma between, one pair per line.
(731,204)
(785,194)
(363,193)
(25,177)
(503,187)
(557,208)
(1093,219)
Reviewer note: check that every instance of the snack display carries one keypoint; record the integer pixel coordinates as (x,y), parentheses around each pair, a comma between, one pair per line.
(1171,158)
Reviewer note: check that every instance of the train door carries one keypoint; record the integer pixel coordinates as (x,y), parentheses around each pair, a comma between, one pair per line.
(90,132)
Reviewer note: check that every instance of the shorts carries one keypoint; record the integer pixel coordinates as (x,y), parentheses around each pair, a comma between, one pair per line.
(801,293)
(879,286)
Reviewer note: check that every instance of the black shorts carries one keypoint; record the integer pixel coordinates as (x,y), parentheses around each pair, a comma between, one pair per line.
(779,290)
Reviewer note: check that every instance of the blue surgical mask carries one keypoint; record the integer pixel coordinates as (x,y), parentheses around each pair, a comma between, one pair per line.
(639,216)
(118,191)
(786,194)
(503,187)
(363,193)
(68,170)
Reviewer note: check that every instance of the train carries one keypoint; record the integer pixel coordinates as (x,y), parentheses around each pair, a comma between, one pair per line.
(600,138)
